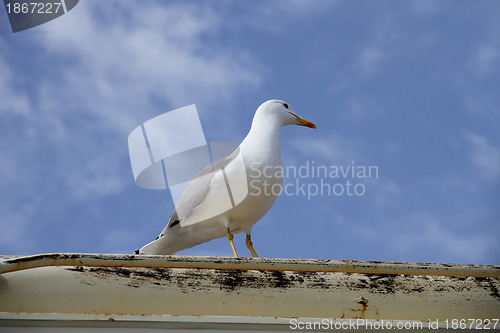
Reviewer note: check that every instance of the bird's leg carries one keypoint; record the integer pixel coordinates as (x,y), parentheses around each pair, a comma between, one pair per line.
(249,244)
(230,238)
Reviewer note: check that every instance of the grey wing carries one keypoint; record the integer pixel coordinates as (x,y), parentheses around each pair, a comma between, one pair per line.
(197,190)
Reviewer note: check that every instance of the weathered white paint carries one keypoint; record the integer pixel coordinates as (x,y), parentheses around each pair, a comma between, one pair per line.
(211,292)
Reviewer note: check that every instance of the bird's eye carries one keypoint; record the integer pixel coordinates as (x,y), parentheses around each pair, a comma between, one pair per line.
(285,105)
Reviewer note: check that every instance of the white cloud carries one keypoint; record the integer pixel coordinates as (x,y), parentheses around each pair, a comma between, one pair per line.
(270,15)
(480,103)
(485,58)
(423,234)
(13,102)
(109,74)
(332,149)
(425,7)
(428,234)
(389,198)
(484,156)
(97,78)
(363,107)
(370,60)
(150,50)
(411,229)
(16,236)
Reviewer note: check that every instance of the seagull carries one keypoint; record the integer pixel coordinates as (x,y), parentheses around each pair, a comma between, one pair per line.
(196,218)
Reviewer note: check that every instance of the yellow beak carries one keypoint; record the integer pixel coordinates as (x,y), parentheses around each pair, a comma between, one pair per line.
(303,122)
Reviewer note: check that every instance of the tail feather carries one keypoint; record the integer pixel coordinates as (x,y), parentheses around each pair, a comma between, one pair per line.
(161,245)
(177,238)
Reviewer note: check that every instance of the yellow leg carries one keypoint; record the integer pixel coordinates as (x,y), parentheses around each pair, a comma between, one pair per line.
(230,238)
(250,246)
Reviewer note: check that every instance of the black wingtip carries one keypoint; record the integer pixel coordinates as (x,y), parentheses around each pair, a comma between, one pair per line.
(137,252)
(173,224)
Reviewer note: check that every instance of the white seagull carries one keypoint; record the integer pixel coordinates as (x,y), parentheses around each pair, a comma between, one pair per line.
(198,217)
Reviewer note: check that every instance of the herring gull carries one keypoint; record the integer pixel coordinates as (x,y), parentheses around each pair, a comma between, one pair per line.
(198,218)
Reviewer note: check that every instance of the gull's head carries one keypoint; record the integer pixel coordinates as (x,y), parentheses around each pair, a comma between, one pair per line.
(281,112)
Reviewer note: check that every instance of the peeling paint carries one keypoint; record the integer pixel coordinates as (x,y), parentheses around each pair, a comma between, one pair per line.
(246,292)
(10,264)
(233,280)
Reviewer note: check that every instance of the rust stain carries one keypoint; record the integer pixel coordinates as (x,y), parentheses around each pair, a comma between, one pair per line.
(364,307)
(364,304)
(362,313)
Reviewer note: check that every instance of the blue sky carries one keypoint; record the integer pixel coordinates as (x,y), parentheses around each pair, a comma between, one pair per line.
(408,86)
